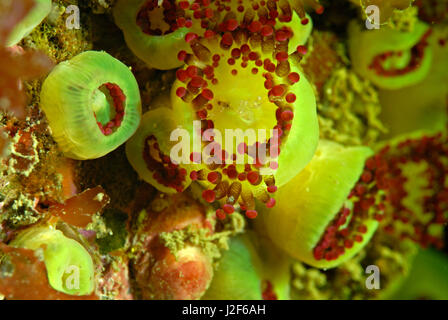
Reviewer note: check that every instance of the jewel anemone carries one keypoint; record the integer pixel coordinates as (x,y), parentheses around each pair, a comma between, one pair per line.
(155,30)
(92,103)
(411,172)
(236,276)
(240,44)
(154,33)
(69,266)
(250,271)
(38,13)
(401,189)
(148,151)
(391,59)
(243,81)
(427,278)
(318,218)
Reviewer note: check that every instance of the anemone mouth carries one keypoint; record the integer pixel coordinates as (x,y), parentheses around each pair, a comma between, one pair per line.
(165,172)
(109,107)
(218,88)
(158,20)
(247,108)
(398,63)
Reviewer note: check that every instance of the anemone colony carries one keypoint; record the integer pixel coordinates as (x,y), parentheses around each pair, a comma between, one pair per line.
(94,203)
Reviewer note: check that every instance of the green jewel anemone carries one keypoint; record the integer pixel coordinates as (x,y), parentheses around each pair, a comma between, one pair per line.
(156,30)
(234,85)
(150,31)
(411,171)
(236,276)
(237,75)
(92,103)
(427,279)
(69,266)
(149,149)
(38,13)
(391,59)
(252,269)
(319,219)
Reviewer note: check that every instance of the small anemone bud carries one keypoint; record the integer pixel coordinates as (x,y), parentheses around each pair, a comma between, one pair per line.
(34,17)
(92,103)
(155,33)
(149,151)
(391,59)
(316,220)
(69,266)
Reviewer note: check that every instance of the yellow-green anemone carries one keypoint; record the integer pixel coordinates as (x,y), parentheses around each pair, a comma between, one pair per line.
(391,59)
(69,266)
(92,103)
(318,219)
(158,32)
(252,269)
(236,87)
(149,32)
(149,150)
(38,13)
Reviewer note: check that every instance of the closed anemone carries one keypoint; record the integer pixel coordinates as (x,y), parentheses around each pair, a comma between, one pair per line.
(92,103)
(148,151)
(391,59)
(319,219)
(69,265)
(40,10)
